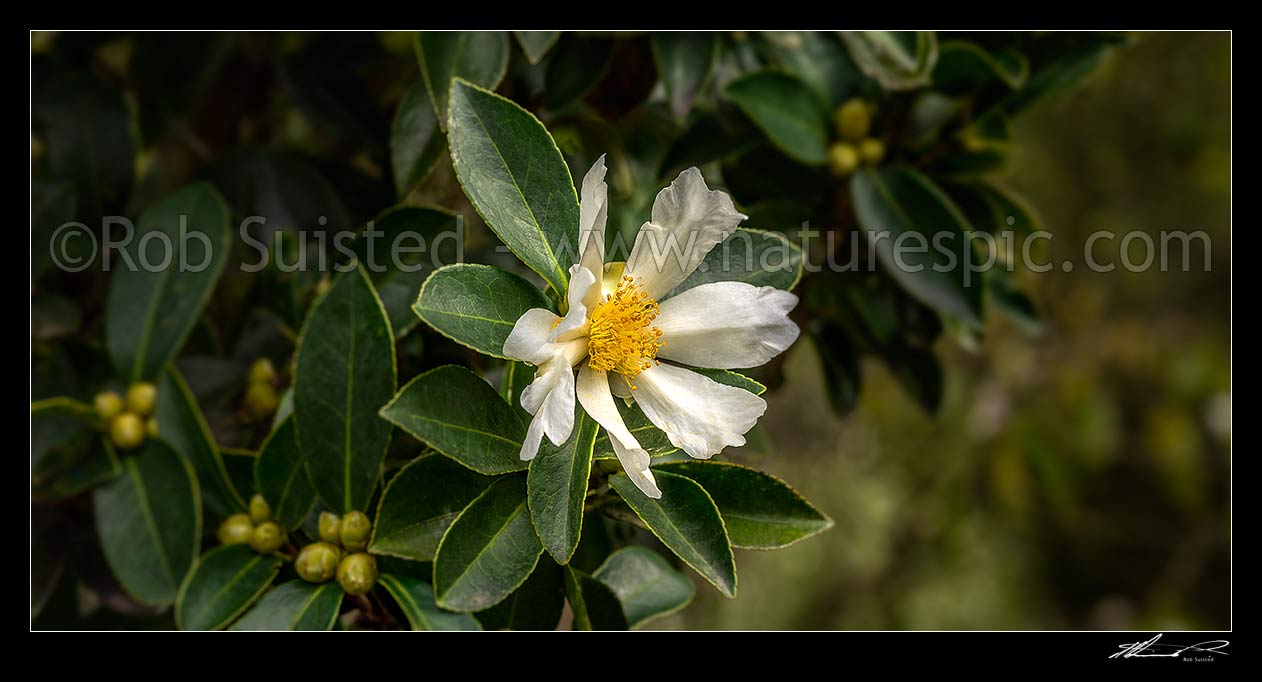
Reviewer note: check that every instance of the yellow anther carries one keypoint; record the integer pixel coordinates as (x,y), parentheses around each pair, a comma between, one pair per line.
(621,338)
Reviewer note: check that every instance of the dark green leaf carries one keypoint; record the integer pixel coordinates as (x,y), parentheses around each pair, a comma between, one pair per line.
(684,62)
(963,67)
(593,603)
(53,204)
(535,44)
(557,484)
(415,139)
(763,259)
(898,60)
(480,57)
(759,510)
(536,605)
(645,583)
(489,550)
(157,292)
(576,66)
(685,520)
(820,60)
(406,245)
(182,425)
(149,523)
(515,177)
(787,112)
(225,582)
(416,598)
(476,305)
(280,476)
(295,605)
(419,504)
(458,414)
(343,373)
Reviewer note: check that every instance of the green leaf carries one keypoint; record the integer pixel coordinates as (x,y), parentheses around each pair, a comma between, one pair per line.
(786,111)
(343,373)
(821,61)
(419,504)
(60,429)
(963,67)
(759,510)
(557,484)
(516,178)
(53,204)
(536,605)
(708,138)
(407,244)
(225,582)
(897,200)
(645,583)
(535,44)
(280,476)
(593,603)
(684,62)
(295,606)
(840,360)
(653,439)
(416,141)
(763,259)
(416,598)
(576,67)
(88,461)
(154,303)
(183,426)
(489,550)
(149,523)
(898,60)
(686,521)
(480,57)
(1058,61)
(476,305)
(458,414)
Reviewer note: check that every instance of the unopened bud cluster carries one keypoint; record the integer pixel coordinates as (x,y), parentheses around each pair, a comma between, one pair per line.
(853,123)
(257,529)
(129,420)
(260,391)
(340,553)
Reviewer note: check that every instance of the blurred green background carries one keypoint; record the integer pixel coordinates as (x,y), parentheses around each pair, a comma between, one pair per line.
(1078,479)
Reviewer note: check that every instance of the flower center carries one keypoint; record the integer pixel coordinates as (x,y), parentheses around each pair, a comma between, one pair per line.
(620,338)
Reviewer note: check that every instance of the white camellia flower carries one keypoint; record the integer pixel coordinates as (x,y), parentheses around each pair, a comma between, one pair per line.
(619,327)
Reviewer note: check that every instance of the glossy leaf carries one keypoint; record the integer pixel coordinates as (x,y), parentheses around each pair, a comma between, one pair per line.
(759,510)
(480,57)
(963,67)
(536,605)
(645,583)
(593,604)
(897,201)
(280,476)
(343,373)
(225,582)
(516,178)
(416,141)
(182,425)
(419,504)
(295,606)
(791,116)
(535,44)
(416,598)
(820,60)
(488,551)
(686,520)
(408,244)
(458,414)
(576,66)
(155,301)
(898,60)
(557,483)
(476,305)
(763,259)
(149,522)
(684,62)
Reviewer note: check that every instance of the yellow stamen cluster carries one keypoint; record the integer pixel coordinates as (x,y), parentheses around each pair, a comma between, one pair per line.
(621,338)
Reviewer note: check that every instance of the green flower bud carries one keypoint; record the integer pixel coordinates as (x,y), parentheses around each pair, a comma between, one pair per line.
(141,398)
(357,573)
(871,151)
(236,530)
(151,427)
(260,400)
(262,372)
(108,404)
(267,538)
(317,562)
(330,528)
(127,431)
(259,509)
(843,158)
(354,531)
(852,120)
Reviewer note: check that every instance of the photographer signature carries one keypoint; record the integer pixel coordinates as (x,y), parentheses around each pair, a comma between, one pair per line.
(1153,649)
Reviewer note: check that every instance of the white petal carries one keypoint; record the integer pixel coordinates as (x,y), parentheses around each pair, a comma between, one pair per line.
(698,414)
(726,325)
(534,435)
(528,341)
(592,211)
(688,220)
(593,394)
(619,386)
(550,398)
(574,324)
